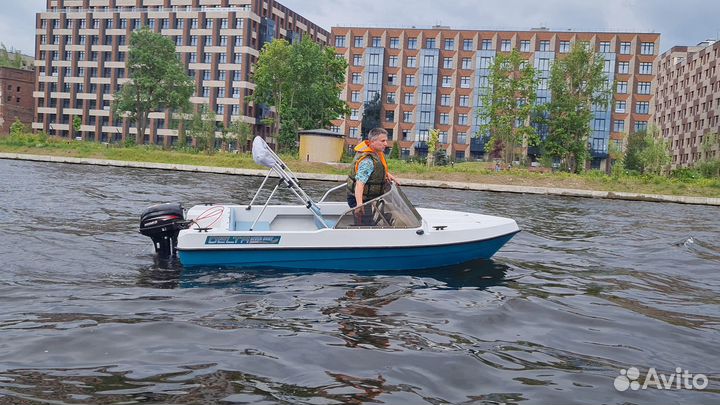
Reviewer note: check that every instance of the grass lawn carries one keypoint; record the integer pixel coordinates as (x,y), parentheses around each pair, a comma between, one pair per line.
(468,172)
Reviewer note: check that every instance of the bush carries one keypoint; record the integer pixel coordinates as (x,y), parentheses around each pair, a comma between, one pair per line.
(709,169)
(685,174)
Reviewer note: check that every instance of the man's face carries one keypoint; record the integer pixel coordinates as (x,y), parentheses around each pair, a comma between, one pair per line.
(379,144)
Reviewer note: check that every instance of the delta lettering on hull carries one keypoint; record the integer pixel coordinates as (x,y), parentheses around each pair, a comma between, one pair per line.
(242,240)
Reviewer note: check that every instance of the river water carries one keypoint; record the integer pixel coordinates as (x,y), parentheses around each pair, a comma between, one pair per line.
(587,290)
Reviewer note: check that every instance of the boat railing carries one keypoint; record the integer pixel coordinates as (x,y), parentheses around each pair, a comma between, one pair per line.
(332,190)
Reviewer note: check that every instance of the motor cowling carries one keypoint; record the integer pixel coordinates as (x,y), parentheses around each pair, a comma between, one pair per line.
(162,223)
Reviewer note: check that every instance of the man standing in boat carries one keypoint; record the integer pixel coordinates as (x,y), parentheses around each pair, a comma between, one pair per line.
(369,176)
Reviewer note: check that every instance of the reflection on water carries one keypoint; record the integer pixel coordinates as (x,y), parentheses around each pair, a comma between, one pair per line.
(589,287)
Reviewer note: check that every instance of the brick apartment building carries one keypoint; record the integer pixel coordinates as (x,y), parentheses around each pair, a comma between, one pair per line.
(81,49)
(431,78)
(16,97)
(687,99)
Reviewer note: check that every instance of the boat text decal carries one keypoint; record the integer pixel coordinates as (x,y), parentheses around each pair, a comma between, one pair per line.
(242,240)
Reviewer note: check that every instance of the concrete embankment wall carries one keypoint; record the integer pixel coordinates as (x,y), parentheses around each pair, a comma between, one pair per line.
(406,182)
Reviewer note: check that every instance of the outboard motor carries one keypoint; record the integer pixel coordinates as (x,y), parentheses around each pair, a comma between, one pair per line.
(162,223)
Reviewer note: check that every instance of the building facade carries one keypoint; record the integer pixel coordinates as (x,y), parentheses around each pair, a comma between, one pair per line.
(687,100)
(81,49)
(16,97)
(432,78)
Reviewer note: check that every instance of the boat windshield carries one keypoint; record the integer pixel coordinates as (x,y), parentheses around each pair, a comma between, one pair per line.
(390,210)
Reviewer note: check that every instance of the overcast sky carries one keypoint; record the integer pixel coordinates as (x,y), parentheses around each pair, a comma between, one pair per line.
(681,22)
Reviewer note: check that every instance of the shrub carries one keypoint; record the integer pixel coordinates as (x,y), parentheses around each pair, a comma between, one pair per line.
(709,169)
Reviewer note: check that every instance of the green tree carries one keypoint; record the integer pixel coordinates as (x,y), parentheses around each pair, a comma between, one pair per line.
(371,115)
(11,58)
(710,142)
(433,146)
(77,124)
(242,132)
(395,151)
(303,82)
(158,80)
(507,105)
(648,152)
(201,127)
(17,127)
(617,157)
(577,83)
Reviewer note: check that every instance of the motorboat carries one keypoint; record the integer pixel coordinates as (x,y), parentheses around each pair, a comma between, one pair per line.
(386,233)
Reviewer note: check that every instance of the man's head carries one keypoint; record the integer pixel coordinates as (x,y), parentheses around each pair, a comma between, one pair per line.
(377,139)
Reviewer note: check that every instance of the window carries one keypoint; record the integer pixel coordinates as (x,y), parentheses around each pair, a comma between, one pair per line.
(446,81)
(223,40)
(411,62)
(622,87)
(357,60)
(445,100)
(412,43)
(430,43)
(429,61)
(544,64)
(464,101)
(462,119)
(393,61)
(410,98)
(620,106)
(410,80)
(599,124)
(642,107)
(395,43)
(407,116)
(486,44)
(647,48)
(353,132)
(391,98)
(447,63)
(339,42)
(356,78)
(374,59)
(564,46)
(355,97)
(376,42)
(354,115)
(544,46)
(208,23)
(624,67)
(640,126)
(425,117)
(465,82)
(505,45)
(445,118)
(618,126)
(390,116)
(646,68)
(467,63)
(359,42)
(426,98)
(643,88)
(461,138)
(468,44)
(524,45)
(485,62)
(450,44)
(604,47)
(208,41)
(625,48)
(373,78)
(392,79)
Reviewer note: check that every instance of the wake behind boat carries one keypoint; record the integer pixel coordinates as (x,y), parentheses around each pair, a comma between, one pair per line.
(385,233)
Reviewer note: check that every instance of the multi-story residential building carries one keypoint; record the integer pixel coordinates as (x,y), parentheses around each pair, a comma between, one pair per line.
(432,78)
(16,97)
(687,99)
(82,45)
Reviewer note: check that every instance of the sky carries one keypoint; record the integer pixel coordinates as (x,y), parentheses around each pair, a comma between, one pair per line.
(684,22)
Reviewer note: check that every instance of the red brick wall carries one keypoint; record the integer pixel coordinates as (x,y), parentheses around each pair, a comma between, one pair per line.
(16,97)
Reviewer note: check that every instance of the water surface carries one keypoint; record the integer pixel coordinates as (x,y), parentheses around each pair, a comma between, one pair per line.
(588,288)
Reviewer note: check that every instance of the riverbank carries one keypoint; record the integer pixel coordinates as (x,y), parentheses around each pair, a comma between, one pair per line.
(338,177)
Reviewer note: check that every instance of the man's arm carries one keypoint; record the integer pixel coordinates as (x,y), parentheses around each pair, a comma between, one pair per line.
(359,188)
